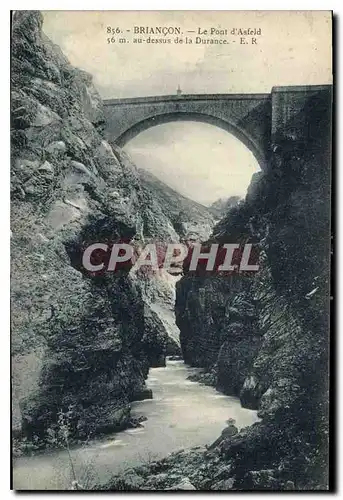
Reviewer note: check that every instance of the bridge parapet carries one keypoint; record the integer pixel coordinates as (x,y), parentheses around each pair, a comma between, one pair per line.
(183,97)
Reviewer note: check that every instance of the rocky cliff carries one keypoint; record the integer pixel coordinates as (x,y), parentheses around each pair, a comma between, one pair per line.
(80,344)
(265,337)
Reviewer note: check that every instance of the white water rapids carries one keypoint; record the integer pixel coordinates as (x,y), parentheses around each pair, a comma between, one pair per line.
(181,415)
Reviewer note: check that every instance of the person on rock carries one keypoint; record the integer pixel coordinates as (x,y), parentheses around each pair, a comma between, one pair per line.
(229,431)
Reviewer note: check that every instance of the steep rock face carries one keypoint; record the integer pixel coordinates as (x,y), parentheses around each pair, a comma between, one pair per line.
(220,207)
(159,294)
(190,219)
(79,342)
(63,327)
(212,314)
(285,375)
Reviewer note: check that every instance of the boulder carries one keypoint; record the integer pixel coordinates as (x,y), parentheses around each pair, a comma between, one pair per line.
(224,485)
(184,484)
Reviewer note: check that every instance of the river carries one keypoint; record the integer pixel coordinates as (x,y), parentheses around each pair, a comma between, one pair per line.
(181,415)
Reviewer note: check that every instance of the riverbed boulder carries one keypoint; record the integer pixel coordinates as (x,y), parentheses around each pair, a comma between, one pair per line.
(184,484)
(224,485)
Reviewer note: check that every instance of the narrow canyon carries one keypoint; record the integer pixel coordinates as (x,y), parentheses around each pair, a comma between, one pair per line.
(149,371)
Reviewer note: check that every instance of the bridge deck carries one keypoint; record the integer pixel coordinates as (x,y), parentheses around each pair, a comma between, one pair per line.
(184,97)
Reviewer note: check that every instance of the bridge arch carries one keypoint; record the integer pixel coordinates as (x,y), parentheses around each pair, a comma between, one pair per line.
(159,119)
(257,120)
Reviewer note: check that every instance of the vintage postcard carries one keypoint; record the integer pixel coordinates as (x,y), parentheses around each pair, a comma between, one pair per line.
(170,250)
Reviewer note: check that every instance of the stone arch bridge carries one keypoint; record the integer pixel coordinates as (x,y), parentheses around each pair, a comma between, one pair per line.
(255,119)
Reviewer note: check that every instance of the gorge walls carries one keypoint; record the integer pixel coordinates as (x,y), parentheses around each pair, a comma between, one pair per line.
(83,344)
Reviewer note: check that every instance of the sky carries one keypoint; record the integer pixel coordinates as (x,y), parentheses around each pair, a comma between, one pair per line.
(294,49)
(205,163)
(203,160)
